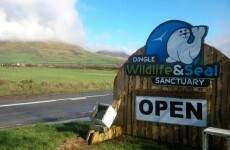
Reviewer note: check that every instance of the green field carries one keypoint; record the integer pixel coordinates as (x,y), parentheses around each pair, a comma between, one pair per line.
(43,81)
(53,53)
(56,75)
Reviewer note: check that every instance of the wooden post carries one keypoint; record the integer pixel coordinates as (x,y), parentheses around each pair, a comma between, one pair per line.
(126,88)
(94,136)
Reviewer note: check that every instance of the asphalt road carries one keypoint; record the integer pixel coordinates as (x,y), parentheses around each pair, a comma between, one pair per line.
(34,110)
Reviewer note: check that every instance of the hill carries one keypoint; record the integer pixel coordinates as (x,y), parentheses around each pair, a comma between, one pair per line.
(52,53)
(117,54)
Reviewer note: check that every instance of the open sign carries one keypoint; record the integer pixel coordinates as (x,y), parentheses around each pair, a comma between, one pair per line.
(191,112)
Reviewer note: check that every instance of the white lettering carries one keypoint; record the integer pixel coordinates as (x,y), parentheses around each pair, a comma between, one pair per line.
(173,81)
(189,82)
(201,81)
(134,59)
(179,81)
(195,82)
(144,59)
(157,80)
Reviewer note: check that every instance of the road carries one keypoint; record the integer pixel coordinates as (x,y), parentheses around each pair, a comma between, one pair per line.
(42,109)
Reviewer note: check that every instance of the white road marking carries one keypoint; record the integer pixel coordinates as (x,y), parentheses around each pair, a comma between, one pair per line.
(54,100)
(77,98)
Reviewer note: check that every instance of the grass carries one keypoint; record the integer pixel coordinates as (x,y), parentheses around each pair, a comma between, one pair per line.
(43,81)
(126,142)
(131,143)
(70,136)
(29,87)
(41,136)
(56,75)
(52,53)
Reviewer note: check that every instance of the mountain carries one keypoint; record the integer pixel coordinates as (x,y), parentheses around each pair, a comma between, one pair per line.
(117,54)
(55,53)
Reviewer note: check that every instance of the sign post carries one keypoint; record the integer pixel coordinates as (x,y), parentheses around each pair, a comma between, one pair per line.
(174,87)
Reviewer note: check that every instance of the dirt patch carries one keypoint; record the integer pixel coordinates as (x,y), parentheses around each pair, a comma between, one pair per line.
(75,143)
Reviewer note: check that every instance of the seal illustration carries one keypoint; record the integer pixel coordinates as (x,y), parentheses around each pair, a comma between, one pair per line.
(178,47)
(176,41)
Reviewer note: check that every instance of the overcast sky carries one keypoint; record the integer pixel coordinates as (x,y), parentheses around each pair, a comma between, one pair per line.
(110,24)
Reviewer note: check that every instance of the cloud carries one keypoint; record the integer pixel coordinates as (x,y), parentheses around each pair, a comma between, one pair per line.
(99,47)
(221,40)
(103,37)
(122,32)
(41,20)
(50,20)
(222,43)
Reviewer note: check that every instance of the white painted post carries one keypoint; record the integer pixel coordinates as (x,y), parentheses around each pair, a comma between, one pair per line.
(205,141)
(228,138)
(215,131)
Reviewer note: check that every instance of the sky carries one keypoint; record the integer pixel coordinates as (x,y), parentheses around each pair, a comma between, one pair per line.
(116,25)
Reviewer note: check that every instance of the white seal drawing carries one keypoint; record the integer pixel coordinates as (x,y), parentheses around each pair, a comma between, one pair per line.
(178,48)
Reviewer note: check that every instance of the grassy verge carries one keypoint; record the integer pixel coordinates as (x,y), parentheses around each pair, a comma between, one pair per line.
(42,81)
(30,87)
(126,142)
(70,136)
(41,137)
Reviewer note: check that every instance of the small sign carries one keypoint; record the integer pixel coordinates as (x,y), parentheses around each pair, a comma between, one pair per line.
(192,112)
(190,82)
(103,114)
(173,55)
